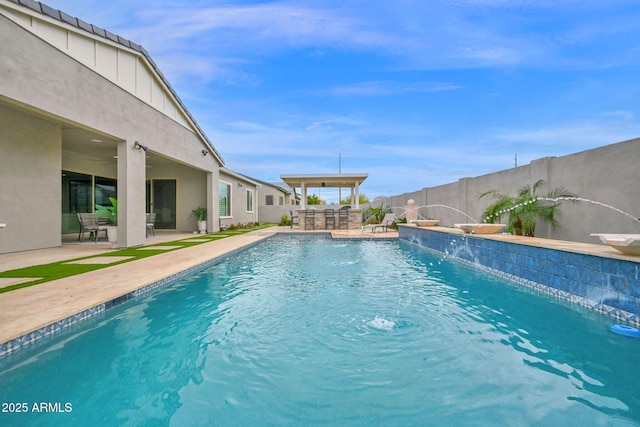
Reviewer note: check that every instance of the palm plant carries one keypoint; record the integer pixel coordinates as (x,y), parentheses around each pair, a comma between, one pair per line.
(526,208)
(374,215)
(110,212)
(200,214)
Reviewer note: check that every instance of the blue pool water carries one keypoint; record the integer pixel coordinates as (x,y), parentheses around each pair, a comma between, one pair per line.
(298,331)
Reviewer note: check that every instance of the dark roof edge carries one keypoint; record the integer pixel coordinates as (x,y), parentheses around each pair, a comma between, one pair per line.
(270,184)
(92,29)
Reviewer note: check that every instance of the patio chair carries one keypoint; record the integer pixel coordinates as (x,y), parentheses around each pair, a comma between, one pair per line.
(329,219)
(151,223)
(343,217)
(384,224)
(293,218)
(89,224)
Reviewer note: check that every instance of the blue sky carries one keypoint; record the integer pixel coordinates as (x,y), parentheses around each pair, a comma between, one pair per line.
(416,93)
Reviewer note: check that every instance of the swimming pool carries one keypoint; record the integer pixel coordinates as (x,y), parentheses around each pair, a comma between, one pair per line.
(315,331)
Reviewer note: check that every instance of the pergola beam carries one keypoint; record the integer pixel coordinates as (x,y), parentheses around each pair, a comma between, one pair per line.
(340,180)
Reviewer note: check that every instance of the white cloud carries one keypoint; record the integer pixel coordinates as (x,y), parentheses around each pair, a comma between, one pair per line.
(387,88)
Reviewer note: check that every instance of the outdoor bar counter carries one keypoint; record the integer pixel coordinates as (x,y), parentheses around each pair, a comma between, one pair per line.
(319,221)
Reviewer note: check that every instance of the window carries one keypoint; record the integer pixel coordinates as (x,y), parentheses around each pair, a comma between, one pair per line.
(105,188)
(269,200)
(224,200)
(80,193)
(281,200)
(249,200)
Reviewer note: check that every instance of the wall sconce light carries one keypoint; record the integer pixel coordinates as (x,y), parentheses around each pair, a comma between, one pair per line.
(139,146)
(324,185)
(205,152)
(239,185)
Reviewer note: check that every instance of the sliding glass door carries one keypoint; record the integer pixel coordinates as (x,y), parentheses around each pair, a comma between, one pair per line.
(80,193)
(161,199)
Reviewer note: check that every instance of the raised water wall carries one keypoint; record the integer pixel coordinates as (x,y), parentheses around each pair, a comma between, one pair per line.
(609,285)
(607,174)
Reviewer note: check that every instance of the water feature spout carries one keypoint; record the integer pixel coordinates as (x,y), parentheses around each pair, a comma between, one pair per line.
(580,199)
(410,212)
(571,199)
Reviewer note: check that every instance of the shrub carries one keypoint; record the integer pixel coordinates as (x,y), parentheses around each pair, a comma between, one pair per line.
(526,208)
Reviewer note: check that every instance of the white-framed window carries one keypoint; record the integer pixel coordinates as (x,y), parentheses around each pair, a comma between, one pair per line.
(224,199)
(249,200)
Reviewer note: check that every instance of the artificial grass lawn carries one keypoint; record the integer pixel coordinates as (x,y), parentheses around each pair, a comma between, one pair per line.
(57,270)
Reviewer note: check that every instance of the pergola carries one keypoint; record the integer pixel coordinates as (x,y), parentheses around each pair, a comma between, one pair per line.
(339,180)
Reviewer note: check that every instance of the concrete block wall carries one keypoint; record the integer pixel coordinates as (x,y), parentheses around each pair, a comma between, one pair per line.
(608,175)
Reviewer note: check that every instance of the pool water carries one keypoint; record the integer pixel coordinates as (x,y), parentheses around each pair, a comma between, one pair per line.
(299,331)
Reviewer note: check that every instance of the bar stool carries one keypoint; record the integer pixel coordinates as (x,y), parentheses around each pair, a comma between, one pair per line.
(343,217)
(310,219)
(294,218)
(329,218)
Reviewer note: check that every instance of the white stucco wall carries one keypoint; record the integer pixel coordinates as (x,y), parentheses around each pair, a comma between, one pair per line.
(239,213)
(30,190)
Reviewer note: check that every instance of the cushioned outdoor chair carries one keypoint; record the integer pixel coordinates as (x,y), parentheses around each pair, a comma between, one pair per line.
(384,224)
(88,224)
(151,223)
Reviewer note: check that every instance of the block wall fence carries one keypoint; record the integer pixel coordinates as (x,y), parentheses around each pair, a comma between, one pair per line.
(608,175)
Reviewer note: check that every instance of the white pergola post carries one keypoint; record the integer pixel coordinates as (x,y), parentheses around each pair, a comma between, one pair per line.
(357,194)
(303,190)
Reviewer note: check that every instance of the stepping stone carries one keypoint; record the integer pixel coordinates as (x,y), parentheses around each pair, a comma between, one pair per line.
(196,240)
(158,248)
(10,281)
(101,260)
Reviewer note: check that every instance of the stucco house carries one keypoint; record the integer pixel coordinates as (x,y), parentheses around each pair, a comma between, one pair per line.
(276,200)
(238,199)
(85,115)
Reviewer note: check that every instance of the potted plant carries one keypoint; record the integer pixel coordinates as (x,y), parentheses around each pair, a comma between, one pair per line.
(111,213)
(200,215)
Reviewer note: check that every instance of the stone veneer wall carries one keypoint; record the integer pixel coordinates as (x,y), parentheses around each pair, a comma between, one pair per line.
(355,219)
(607,285)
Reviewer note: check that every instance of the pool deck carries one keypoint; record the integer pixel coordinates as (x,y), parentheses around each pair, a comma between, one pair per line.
(29,309)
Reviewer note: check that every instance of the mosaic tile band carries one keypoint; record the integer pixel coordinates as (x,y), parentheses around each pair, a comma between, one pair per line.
(606,285)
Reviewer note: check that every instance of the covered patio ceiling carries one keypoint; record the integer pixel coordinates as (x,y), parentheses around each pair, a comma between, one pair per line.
(339,180)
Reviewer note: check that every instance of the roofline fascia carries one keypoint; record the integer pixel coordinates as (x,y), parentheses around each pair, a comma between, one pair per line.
(239,176)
